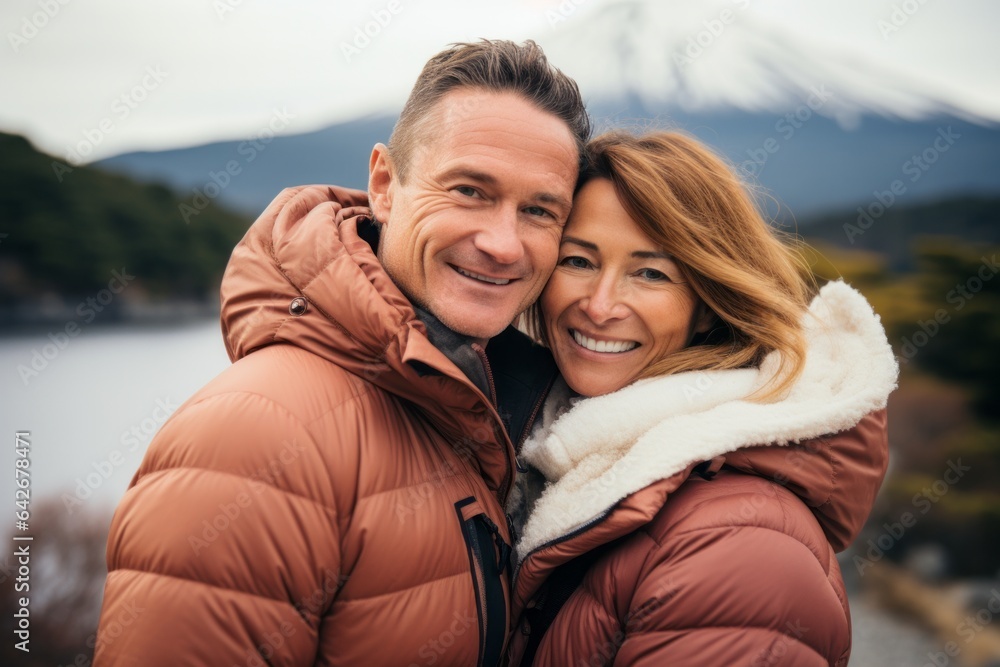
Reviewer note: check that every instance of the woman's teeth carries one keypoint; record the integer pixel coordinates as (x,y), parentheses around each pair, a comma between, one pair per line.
(603,346)
(485,279)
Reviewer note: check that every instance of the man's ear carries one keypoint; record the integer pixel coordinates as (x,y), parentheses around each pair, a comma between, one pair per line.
(381,175)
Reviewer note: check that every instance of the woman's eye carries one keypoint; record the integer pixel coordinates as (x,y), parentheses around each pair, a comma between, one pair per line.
(654,275)
(575,262)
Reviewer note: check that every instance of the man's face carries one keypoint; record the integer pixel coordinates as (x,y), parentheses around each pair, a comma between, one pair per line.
(473,233)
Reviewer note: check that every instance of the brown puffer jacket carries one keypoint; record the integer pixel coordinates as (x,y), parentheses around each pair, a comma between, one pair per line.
(335,497)
(663,535)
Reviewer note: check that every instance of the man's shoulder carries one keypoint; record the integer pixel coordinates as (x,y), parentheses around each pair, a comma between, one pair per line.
(276,395)
(290,377)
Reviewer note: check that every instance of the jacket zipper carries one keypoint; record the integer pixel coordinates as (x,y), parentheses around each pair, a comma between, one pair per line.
(568,536)
(508,480)
(489,371)
(488,558)
(531,418)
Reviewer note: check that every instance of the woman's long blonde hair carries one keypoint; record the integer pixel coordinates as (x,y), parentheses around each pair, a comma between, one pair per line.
(691,203)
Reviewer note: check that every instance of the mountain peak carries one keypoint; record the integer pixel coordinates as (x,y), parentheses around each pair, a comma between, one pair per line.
(705,58)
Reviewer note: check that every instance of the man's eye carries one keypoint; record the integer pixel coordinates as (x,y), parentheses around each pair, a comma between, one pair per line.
(538,211)
(467,190)
(575,262)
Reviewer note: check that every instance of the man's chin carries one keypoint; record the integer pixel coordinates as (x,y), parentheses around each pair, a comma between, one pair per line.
(482,327)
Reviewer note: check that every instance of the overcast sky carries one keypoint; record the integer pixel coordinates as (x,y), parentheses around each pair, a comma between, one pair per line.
(177,73)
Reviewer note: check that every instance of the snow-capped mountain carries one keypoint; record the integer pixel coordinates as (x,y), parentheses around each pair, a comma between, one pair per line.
(820,123)
(712,56)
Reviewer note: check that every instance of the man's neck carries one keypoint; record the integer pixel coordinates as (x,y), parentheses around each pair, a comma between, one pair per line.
(457,347)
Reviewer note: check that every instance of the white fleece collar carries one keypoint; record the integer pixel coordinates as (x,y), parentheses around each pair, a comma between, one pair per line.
(607,447)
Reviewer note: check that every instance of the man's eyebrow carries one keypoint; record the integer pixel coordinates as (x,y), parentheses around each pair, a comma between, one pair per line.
(471,174)
(489,179)
(548,198)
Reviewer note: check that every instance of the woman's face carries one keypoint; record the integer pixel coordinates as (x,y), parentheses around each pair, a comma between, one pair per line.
(616,302)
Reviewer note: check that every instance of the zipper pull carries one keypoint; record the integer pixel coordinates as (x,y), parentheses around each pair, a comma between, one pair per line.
(510,528)
(503,549)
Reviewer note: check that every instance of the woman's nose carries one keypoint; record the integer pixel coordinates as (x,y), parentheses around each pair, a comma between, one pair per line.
(604,303)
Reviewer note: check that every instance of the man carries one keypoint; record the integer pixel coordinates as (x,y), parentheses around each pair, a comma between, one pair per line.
(336,496)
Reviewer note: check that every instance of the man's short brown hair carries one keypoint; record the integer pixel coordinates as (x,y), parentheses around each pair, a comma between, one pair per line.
(494,66)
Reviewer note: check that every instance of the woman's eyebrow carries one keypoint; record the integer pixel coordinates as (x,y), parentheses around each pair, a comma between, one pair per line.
(651,254)
(583,244)
(641,254)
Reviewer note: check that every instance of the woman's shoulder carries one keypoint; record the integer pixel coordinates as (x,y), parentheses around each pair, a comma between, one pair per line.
(743,512)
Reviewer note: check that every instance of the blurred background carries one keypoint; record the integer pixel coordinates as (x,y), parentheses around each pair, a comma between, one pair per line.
(138,141)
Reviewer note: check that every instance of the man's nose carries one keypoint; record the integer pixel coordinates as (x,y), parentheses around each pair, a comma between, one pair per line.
(500,237)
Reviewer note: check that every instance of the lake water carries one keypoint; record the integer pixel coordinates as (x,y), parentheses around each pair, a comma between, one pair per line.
(94,405)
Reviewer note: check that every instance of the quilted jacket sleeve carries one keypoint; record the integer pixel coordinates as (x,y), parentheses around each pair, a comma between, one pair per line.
(225,549)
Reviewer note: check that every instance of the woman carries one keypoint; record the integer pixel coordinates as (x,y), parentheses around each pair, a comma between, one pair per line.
(664,517)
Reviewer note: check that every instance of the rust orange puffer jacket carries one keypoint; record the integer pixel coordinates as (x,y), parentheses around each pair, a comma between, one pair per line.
(676,525)
(336,496)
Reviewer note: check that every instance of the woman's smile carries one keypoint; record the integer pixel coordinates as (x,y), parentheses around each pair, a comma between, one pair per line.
(616,303)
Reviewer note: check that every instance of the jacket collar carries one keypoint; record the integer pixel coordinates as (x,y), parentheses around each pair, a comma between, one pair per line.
(513,370)
(600,450)
(317,244)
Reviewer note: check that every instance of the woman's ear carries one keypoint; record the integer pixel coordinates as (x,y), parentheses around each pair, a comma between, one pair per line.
(704,318)
(381,176)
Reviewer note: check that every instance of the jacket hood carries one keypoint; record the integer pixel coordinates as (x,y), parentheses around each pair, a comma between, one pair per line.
(307,246)
(606,448)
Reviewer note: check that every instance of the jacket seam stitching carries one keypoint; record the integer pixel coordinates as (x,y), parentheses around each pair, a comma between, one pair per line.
(286,409)
(735,627)
(826,570)
(303,424)
(344,601)
(438,480)
(220,587)
(287,492)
